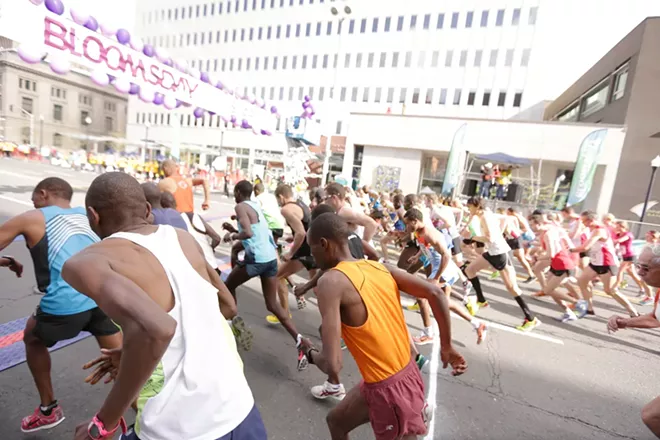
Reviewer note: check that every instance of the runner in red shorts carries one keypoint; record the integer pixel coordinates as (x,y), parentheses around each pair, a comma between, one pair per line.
(359,300)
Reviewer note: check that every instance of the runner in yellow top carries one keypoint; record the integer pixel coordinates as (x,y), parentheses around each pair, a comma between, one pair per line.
(360,300)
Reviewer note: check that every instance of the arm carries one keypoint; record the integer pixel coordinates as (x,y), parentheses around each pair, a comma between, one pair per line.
(147,328)
(299,234)
(585,247)
(616,323)
(370,252)
(436,240)
(215,237)
(25,224)
(301,289)
(244,220)
(207,190)
(358,218)
(329,292)
(227,302)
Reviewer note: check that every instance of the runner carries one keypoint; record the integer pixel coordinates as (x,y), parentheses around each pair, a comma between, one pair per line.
(162,215)
(603,264)
(182,188)
(624,238)
(178,355)
(497,257)
(360,223)
(260,259)
(399,227)
(513,233)
(53,232)
(271,210)
(444,273)
(361,301)
(577,232)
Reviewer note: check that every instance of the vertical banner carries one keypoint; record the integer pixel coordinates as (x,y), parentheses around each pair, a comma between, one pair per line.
(453,170)
(585,166)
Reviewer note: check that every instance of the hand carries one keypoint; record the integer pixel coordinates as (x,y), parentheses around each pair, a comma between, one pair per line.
(206,206)
(299,290)
(227,238)
(615,323)
(228,227)
(413,259)
(82,432)
(13,265)
(451,357)
(286,257)
(106,365)
(306,344)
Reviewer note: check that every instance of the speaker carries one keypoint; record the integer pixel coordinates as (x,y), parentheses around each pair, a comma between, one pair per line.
(513,193)
(470,187)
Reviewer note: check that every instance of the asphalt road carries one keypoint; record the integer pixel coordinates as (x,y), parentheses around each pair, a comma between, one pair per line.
(563,381)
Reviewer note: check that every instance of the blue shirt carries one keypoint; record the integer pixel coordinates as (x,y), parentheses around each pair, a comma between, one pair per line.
(260,248)
(169,216)
(67,233)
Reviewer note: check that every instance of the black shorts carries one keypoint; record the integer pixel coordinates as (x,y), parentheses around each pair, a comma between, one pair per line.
(50,329)
(307,261)
(514,243)
(457,246)
(628,258)
(499,262)
(561,273)
(584,255)
(469,241)
(277,234)
(263,270)
(412,244)
(603,270)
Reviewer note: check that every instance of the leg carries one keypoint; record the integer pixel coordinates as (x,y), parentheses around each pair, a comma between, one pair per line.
(584,282)
(348,415)
(471,272)
(387,239)
(237,277)
(38,360)
(406,254)
(538,270)
(635,276)
(509,278)
(269,288)
(651,416)
(520,255)
(622,271)
(110,342)
(607,280)
(285,270)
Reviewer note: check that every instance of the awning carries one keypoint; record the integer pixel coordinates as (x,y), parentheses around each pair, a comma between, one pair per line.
(503,158)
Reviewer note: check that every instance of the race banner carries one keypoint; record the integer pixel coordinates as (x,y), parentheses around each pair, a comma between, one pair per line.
(585,166)
(453,170)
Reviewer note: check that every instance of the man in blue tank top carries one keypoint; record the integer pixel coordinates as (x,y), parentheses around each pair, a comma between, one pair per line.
(54,231)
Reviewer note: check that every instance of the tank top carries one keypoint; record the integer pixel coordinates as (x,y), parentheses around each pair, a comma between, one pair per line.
(626,246)
(380,346)
(183,194)
(67,233)
(260,248)
(195,226)
(449,214)
(304,250)
(198,390)
(603,253)
(561,257)
(497,245)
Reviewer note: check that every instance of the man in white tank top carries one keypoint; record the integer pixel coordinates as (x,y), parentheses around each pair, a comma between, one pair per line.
(179,355)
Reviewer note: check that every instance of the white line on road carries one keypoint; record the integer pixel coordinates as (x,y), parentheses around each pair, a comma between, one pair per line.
(431,399)
(22,202)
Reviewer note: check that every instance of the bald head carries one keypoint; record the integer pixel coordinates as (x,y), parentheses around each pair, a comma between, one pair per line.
(167,200)
(170,168)
(152,193)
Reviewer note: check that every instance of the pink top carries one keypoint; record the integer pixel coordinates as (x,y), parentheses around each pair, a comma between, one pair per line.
(626,245)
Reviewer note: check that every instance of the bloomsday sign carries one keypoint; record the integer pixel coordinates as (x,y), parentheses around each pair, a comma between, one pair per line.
(46,31)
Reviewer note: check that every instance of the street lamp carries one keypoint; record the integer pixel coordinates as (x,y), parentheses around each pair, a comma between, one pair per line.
(340,13)
(655,163)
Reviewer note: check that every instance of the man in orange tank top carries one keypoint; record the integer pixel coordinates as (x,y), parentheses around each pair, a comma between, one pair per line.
(360,300)
(182,188)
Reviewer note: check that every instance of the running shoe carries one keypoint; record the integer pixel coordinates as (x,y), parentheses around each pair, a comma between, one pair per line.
(474,306)
(38,420)
(481,332)
(467,288)
(342,344)
(646,301)
(427,414)
(329,391)
(494,275)
(413,308)
(580,308)
(423,363)
(539,294)
(272,319)
(623,284)
(423,339)
(302,358)
(302,303)
(529,280)
(528,326)
(242,333)
(568,316)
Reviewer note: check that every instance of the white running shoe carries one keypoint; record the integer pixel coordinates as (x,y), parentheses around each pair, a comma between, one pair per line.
(329,391)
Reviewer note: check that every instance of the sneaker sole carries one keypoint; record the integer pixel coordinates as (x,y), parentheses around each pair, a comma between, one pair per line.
(41,428)
(338,398)
(423,342)
(302,364)
(245,336)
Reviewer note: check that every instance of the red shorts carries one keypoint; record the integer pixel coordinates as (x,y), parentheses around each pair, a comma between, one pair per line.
(396,404)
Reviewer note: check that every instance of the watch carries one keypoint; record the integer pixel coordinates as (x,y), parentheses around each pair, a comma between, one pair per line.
(97,431)
(10,258)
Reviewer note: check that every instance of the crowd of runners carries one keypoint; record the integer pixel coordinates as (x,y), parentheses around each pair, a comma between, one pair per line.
(137,269)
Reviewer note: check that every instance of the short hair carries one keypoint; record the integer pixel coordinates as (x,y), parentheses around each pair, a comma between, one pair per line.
(244,188)
(331,227)
(321,209)
(553,216)
(259,188)
(433,197)
(335,189)
(568,210)
(167,200)
(55,186)
(477,202)
(511,209)
(536,219)
(398,199)
(284,190)
(316,194)
(589,215)
(609,216)
(168,166)
(152,193)
(538,212)
(414,214)
(500,210)
(116,195)
(411,199)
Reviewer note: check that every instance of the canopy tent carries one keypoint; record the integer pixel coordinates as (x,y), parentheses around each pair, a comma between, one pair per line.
(504,158)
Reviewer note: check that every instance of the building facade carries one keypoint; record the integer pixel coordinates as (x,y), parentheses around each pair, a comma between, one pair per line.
(69,111)
(623,87)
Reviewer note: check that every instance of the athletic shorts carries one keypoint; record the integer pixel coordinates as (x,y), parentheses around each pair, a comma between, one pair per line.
(307,261)
(631,258)
(499,262)
(457,246)
(396,404)
(602,270)
(264,270)
(528,236)
(252,428)
(277,234)
(514,243)
(562,272)
(50,329)
(412,244)
(584,255)
(469,241)
(450,281)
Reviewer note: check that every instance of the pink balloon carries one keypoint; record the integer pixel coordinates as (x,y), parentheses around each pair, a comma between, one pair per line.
(60,65)
(80,17)
(30,54)
(100,78)
(122,84)
(37,2)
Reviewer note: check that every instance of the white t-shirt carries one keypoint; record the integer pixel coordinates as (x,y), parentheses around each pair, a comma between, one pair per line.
(203,240)
(497,245)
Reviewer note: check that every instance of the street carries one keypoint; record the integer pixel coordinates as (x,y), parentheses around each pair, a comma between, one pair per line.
(563,381)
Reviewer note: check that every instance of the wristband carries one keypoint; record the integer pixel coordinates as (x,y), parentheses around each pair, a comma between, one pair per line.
(97,430)
(10,258)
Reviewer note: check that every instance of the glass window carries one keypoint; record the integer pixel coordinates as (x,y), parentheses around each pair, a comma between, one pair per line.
(471,97)
(325,61)
(281,95)
(251,34)
(388,21)
(421,59)
(402,96)
(408,59)
(290,93)
(342,94)
(429,96)
(524,61)
(485,101)
(463,59)
(395,59)
(315,60)
(308,29)
(370,60)
(508,61)
(363,26)
(260,33)
(595,99)
(441,21)
(468,19)
(240,64)
(365,95)
(413,22)
(318,29)
(449,58)
(517,99)
(374,25)
(284,62)
(533,12)
(242,36)
(501,99)
(454,20)
(415,97)
(427,21)
(294,61)
(329,28)
(477,58)
(569,115)
(383,59)
(492,62)
(303,64)
(399,23)
(457,97)
(57,112)
(245,5)
(223,65)
(442,100)
(298,30)
(620,80)
(484,18)
(266,62)
(301,93)
(338,131)
(351,26)
(256,65)
(499,20)
(288,30)
(515,18)
(269,32)
(347,60)
(335,61)
(358,60)
(390,95)
(321,93)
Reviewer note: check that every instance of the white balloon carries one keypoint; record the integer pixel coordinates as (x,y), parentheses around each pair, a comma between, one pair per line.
(80,17)
(147,94)
(122,84)
(108,29)
(136,43)
(194,72)
(37,2)
(169,102)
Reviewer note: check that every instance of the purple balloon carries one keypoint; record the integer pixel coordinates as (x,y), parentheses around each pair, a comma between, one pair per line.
(198,113)
(134,89)
(158,99)
(205,77)
(92,24)
(273,109)
(169,63)
(224,119)
(245,124)
(123,36)
(265,132)
(307,98)
(212,113)
(148,50)
(178,103)
(219,85)
(306,104)
(55,6)
(233,119)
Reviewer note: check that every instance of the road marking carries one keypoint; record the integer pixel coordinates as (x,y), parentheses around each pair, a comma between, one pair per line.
(431,399)
(21,202)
